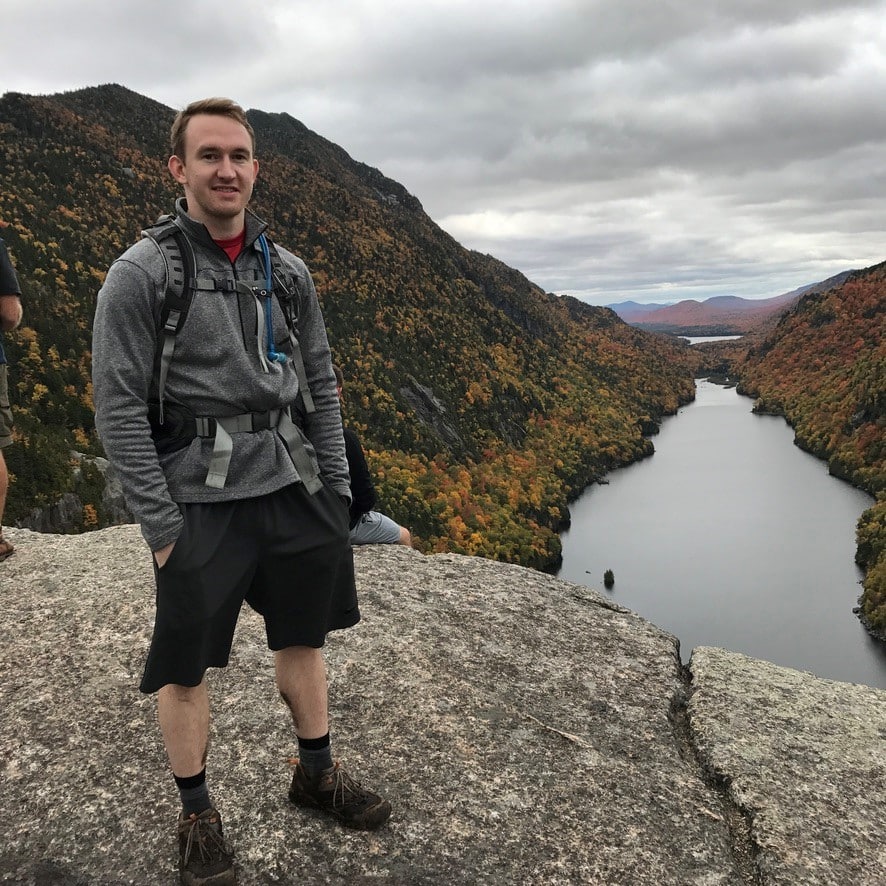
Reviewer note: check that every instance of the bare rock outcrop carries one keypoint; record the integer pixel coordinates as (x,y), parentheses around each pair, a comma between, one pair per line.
(525,729)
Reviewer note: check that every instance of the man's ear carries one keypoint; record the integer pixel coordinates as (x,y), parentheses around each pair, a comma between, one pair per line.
(177,167)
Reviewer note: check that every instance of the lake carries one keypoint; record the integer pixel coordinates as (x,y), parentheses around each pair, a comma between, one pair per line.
(732,536)
(698,339)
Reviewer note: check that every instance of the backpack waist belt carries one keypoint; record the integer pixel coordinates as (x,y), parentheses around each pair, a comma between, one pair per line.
(250,422)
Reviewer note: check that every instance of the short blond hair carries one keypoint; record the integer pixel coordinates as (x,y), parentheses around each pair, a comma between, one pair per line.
(223,107)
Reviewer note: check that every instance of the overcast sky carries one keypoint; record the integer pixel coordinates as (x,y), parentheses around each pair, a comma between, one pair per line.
(651,150)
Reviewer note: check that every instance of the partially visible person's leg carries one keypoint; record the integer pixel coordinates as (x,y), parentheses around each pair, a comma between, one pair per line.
(318,782)
(5,439)
(200,590)
(183,712)
(303,588)
(204,856)
(7,549)
(301,680)
(4,485)
(374,528)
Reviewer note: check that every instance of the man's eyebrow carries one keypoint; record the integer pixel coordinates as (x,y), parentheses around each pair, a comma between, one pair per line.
(240,149)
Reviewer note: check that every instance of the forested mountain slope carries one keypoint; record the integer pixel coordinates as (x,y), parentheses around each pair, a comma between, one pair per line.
(484,402)
(824,368)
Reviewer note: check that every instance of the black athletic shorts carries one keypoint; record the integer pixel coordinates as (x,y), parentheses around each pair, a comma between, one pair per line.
(286,554)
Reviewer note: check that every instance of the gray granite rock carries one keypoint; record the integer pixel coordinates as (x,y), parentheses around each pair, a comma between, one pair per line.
(803,758)
(525,729)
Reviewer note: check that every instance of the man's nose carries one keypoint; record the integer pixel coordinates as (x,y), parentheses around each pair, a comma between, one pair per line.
(226,168)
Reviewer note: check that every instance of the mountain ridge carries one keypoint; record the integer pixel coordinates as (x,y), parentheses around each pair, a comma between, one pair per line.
(822,365)
(485,403)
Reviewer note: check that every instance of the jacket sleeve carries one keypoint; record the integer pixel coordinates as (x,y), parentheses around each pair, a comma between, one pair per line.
(10,295)
(123,346)
(9,284)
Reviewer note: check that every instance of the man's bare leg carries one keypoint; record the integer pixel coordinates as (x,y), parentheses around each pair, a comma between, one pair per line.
(301,680)
(184,721)
(316,783)
(4,485)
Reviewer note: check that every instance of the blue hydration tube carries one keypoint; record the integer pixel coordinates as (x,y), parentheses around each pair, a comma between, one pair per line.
(273,354)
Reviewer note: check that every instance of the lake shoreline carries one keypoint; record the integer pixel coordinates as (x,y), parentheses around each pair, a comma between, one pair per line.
(787,605)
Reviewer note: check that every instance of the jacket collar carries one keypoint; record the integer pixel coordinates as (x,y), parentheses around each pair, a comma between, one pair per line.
(197,230)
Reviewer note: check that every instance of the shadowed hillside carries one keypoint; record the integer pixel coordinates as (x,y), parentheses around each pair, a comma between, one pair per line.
(485,403)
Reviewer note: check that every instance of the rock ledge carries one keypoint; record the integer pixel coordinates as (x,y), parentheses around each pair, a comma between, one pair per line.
(525,729)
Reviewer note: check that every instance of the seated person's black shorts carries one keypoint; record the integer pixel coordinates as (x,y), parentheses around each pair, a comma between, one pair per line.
(286,554)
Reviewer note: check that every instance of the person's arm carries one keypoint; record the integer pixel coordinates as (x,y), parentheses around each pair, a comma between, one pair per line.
(123,346)
(362,489)
(323,427)
(10,312)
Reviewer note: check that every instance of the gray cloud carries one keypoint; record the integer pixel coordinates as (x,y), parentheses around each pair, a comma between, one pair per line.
(610,149)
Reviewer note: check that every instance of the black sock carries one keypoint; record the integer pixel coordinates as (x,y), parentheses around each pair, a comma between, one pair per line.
(315,754)
(194,792)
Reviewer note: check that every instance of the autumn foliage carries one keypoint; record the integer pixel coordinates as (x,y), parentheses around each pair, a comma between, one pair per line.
(485,404)
(824,368)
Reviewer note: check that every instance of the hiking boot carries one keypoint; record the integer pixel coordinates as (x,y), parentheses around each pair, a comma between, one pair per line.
(335,792)
(204,857)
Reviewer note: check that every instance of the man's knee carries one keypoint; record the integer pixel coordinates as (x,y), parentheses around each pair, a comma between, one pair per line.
(405,537)
(173,692)
(299,655)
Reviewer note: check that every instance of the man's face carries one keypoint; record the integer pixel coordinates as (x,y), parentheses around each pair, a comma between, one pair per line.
(218,172)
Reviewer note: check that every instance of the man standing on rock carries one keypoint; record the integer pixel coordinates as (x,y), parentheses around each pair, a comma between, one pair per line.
(226,433)
(10,317)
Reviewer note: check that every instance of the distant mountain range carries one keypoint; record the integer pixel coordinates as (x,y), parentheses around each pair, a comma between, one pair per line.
(721,315)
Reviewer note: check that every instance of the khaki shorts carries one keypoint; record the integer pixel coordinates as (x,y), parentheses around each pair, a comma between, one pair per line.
(5,411)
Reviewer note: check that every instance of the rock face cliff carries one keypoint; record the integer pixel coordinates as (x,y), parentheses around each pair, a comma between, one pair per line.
(525,729)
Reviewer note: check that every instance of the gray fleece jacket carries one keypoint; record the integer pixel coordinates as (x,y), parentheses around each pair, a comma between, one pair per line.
(216,371)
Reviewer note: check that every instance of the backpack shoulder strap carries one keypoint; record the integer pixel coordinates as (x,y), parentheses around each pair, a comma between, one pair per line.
(288,293)
(181,276)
